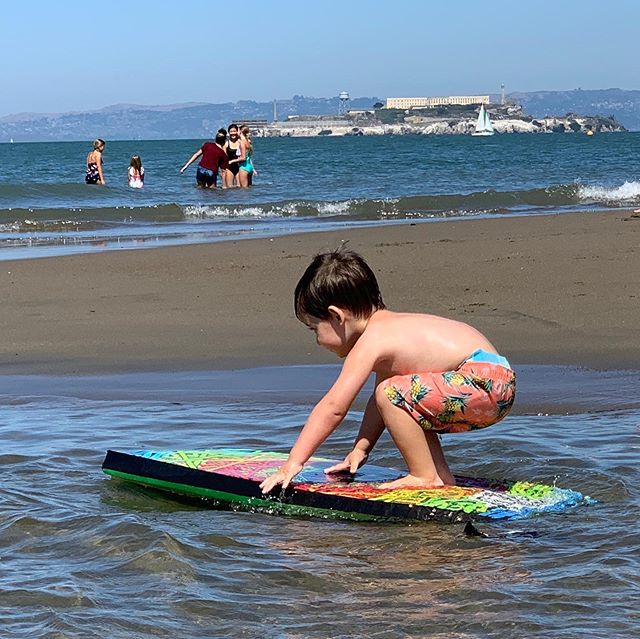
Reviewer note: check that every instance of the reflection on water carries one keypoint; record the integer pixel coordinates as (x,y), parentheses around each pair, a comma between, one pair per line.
(83,555)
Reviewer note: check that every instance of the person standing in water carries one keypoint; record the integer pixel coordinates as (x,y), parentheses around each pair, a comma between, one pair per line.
(136,173)
(245,162)
(213,158)
(232,149)
(94,173)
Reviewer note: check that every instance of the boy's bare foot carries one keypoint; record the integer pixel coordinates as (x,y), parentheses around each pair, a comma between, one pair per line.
(410,481)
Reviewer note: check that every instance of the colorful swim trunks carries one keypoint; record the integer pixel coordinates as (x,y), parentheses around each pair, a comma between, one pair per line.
(479,393)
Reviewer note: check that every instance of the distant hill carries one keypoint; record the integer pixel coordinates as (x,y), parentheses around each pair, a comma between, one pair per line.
(199,120)
(622,104)
(130,121)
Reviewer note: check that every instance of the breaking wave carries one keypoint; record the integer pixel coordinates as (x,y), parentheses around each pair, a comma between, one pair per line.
(490,202)
(626,193)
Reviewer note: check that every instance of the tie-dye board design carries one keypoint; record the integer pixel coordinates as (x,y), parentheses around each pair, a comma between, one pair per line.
(233,476)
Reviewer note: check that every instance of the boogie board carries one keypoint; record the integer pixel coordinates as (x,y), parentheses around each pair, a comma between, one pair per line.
(232,476)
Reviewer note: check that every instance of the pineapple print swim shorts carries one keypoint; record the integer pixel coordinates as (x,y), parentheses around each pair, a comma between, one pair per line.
(479,393)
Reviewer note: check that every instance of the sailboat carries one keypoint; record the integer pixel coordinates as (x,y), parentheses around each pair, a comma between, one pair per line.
(483,125)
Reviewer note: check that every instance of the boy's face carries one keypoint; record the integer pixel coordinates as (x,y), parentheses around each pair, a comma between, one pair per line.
(330,334)
(339,332)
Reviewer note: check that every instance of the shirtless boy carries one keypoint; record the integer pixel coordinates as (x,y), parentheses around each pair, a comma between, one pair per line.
(432,375)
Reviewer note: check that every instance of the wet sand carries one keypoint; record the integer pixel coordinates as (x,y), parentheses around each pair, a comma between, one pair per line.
(559,289)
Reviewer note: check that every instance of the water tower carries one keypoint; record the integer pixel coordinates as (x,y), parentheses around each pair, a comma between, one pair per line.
(343,106)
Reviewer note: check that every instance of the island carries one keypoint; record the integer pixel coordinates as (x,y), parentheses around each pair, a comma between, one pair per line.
(450,119)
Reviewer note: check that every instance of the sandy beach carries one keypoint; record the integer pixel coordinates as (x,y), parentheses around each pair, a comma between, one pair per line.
(546,289)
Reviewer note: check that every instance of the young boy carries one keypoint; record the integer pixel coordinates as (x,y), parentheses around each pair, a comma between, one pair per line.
(433,375)
(213,159)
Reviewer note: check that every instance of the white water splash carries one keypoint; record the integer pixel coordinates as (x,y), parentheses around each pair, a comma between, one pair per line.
(334,208)
(229,212)
(285,209)
(627,192)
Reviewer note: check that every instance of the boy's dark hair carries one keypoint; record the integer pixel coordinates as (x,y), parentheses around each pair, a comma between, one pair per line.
(341,278)
(221,138)
(222,131)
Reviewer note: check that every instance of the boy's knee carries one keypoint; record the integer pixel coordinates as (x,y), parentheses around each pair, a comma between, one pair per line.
(380,394)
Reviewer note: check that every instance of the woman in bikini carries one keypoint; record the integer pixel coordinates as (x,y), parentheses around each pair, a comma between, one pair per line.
(94,173)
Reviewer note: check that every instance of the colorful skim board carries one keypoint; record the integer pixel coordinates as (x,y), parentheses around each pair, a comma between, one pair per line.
(232,476)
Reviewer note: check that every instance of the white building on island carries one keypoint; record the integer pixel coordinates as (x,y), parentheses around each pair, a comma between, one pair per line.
(413,103)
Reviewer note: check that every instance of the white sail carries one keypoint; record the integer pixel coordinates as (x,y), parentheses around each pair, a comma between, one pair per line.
(483,125)
(487,123)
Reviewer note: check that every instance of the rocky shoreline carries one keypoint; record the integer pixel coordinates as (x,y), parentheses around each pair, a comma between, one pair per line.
(504,119)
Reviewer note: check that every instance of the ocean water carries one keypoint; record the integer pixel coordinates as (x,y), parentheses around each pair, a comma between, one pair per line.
(302,184)
(86,556)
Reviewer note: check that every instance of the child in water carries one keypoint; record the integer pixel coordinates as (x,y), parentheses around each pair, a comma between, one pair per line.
(433,375)
(136,173)
(95,174)
(213,159)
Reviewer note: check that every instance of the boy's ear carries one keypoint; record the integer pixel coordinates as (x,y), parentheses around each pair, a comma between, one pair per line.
(336,314)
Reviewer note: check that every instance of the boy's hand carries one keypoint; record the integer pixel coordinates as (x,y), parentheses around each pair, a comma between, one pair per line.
(351,463)
(283,476)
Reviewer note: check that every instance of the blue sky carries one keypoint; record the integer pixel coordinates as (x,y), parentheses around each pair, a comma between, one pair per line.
(70,55)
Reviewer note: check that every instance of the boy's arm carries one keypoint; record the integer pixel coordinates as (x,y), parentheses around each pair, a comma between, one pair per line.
(327,414)
(194,157)
(371,428)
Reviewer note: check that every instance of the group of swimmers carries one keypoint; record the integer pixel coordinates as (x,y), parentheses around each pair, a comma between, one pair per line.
(231,154)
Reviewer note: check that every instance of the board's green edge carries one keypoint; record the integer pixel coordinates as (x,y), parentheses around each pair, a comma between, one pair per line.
(271,506)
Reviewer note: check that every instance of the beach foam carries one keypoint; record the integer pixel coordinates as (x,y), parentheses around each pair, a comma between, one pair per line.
(626,193)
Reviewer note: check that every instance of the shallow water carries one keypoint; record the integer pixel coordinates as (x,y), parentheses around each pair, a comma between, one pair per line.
(83,555)
(303,184)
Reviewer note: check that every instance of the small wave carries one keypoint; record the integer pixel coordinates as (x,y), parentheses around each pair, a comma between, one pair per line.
(489,202)
(23,220)
(336,208)
(231,212)
(284,209)
(53,226)
(626,193)
(417,206)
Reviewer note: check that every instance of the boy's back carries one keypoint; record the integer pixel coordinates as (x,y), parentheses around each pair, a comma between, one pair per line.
(407,343)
